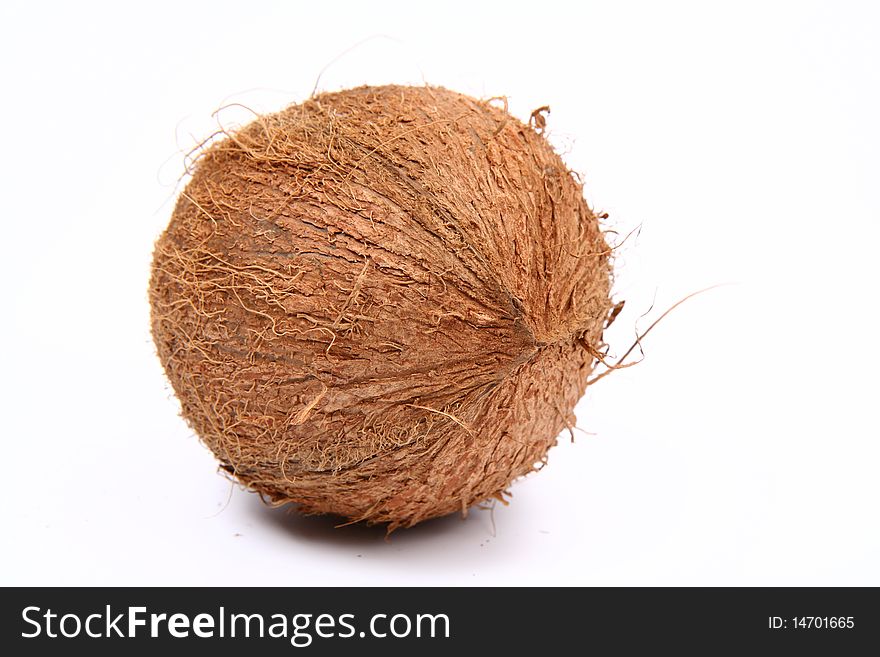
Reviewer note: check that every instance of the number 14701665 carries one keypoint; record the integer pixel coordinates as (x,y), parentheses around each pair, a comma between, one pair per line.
(811,622)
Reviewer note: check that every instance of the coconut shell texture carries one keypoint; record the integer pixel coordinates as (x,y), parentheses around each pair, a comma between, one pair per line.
(382,303)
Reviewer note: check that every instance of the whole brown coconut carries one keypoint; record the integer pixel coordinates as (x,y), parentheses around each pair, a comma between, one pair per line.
(382,303)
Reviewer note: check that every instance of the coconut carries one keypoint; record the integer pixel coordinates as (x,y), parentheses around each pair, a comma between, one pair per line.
(382,303)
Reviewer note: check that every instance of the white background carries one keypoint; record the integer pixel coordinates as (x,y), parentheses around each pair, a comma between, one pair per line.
(742,137)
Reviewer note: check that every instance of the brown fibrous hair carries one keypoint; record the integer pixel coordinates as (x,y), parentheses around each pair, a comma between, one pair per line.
(381,303)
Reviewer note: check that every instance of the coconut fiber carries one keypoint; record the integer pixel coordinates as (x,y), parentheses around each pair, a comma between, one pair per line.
(382,303)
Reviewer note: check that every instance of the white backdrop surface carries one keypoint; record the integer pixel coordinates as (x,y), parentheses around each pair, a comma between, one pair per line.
(741,137)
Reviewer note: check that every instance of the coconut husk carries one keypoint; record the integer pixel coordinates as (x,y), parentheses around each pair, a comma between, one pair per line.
(381,303)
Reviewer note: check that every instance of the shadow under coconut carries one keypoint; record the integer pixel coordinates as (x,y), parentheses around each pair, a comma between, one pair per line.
(333,530)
